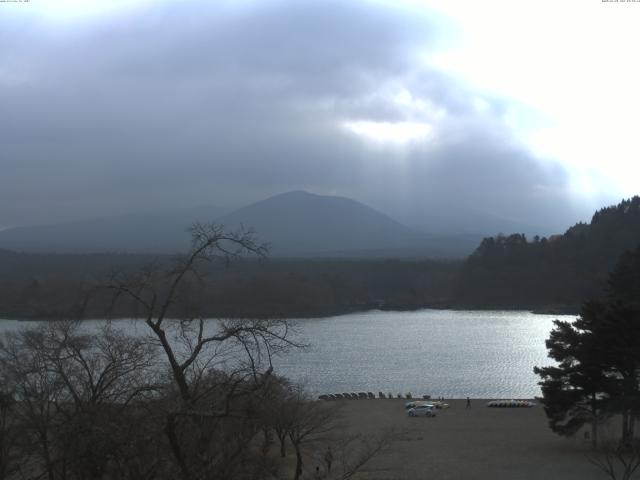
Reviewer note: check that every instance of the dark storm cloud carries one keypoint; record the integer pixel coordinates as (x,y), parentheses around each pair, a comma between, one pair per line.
(213,102)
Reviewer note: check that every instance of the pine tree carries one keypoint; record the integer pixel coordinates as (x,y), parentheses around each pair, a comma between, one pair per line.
(598,355)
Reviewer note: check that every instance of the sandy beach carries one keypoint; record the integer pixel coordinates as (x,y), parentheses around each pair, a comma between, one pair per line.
(460,443)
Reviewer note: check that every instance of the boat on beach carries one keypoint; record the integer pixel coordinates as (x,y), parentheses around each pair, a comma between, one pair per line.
(510,404)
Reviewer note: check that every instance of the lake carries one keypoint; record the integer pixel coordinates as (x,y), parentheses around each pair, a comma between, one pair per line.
(450,353)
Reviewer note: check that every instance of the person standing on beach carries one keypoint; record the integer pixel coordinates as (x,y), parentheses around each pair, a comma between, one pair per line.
(468,402)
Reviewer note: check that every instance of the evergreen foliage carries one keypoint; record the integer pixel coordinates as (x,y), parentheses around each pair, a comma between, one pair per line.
(598,355)
(551,273)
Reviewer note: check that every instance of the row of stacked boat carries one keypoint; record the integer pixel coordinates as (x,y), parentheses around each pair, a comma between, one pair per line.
(366,395)
(510,404)
(347,396)
(439,404)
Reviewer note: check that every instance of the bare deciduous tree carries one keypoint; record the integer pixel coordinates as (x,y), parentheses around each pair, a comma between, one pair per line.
(72,390)
(8,436)
(215,366)
(193,398)
(307,419)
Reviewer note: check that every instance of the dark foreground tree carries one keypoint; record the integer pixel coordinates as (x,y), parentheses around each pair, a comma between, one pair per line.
(216,367)
(576,391)
(598,355)
(9,435)
(183,398)
(307,420)
(73,394)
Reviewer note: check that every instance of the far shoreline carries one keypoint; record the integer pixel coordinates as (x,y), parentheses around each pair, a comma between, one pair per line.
(448,307)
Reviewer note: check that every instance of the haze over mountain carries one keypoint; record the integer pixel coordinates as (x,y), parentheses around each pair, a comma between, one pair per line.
(146,233)
(293,224)
(454,220)
(303,224)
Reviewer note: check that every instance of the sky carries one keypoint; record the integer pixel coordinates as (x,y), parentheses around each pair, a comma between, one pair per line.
(435,112)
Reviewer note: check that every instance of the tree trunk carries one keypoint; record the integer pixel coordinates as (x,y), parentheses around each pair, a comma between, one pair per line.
(44,443)
(594,422)
(298,472)
(283,451)
(170,432)
(178,373)
(267,441)
(628,421)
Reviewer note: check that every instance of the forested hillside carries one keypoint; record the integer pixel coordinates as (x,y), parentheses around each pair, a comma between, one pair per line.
(41,286)
(558,272)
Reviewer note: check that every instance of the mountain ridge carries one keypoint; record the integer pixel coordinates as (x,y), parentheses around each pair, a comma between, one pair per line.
(295,224)
(303,223)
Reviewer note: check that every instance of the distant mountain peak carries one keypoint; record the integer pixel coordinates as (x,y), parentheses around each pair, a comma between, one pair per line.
(299,223)
(295,224)
(305,195)
(297,193)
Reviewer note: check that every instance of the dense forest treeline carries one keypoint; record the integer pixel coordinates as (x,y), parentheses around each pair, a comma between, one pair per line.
(506,271)
(36,286)
(555,273)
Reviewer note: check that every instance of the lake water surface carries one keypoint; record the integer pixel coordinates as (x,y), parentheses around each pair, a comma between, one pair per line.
(450,353)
